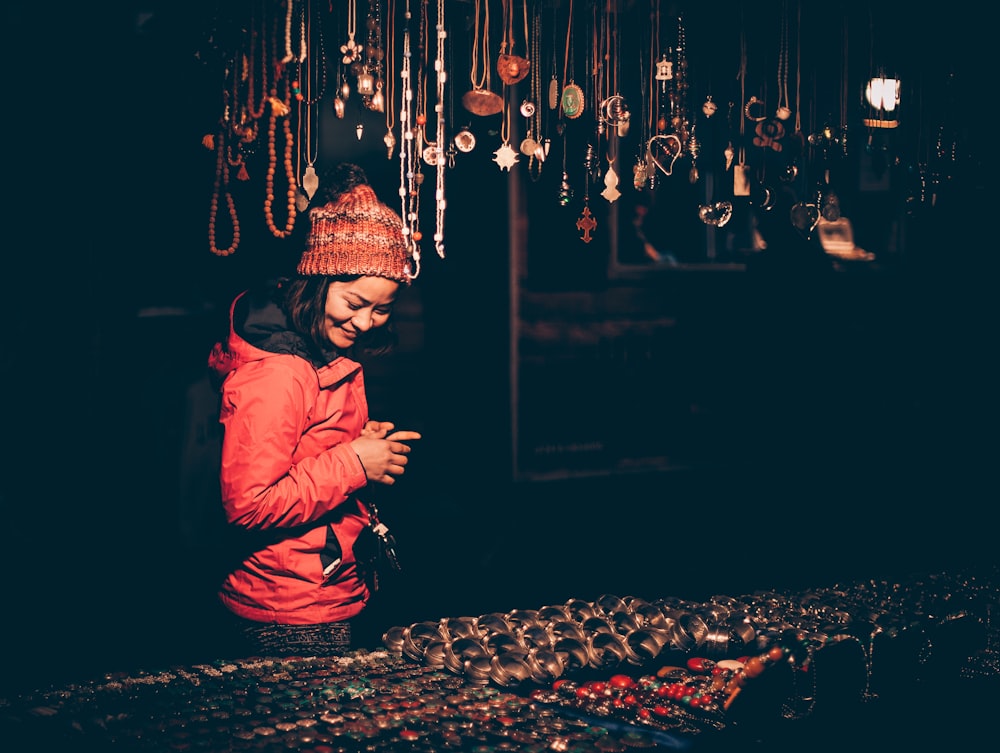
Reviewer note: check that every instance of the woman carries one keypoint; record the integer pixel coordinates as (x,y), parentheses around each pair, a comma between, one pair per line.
(298,447)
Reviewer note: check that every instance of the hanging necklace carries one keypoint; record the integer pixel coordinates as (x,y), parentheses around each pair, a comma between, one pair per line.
(289,55)
(259,41)
(304,87)
(586,222)
(505,156)
(533,146)
(374,58)
(570,106)
(350,50)
(554,82)
(481,100)
(280,108)
(427,153)
(390,41)
(741,182)
(612,109)
(641,172)
(572,101)
(783,112)
(441,79)
(220,187)
(408,157)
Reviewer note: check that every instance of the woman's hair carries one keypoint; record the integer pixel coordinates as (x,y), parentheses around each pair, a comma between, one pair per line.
(303,299)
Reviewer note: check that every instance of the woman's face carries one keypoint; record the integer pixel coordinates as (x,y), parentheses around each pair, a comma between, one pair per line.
(355,307)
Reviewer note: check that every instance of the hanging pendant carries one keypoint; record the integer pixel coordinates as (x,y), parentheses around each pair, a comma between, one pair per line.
(717,214)
(586,224)
(465,140)
(338,107)
(623,125)
(301,200)
(729,154)
(390,143)
(553,93)
(359,129)
(611,192)
(639,174)
(662,151)
(572,101)
(528,146)
(310,181)
(741,180)
(565,190)
(505,156)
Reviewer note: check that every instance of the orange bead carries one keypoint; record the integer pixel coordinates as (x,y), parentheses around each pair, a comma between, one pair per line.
(417,235)
(421,119)
(753,667)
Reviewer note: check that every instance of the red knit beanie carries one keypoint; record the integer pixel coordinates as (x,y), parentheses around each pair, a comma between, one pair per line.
(354,233)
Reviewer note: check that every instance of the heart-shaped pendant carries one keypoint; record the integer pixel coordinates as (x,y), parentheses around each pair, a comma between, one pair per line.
(662,151)
(717,214)
(804,217)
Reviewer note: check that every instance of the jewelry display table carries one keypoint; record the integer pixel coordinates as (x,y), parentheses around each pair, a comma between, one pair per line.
(611,674)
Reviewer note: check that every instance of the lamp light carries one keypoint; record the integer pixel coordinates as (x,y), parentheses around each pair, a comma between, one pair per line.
(882,98)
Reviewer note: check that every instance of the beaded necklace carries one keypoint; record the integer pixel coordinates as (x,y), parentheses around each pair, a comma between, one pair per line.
(280,108)
(441,80)
(408,158)
(222,186)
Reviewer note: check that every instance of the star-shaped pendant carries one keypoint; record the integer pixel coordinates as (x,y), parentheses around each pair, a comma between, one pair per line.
(505,156)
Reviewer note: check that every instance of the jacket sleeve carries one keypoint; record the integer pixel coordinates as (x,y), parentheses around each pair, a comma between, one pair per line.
(266,408)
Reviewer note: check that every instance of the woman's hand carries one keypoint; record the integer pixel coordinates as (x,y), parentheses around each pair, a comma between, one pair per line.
(383,454)
(377,429)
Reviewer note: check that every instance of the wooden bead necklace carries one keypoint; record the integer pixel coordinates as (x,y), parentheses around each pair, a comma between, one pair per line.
(259,40)
(280,108)
(222,185)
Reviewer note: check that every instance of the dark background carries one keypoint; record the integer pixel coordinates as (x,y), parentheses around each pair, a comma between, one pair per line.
(112,301)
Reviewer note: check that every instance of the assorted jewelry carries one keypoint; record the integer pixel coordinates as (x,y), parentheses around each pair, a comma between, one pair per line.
(679,665)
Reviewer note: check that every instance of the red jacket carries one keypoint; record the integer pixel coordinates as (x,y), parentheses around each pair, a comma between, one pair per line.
(288,471)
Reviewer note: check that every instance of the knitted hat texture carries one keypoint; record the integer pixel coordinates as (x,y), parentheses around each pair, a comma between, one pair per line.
(355,234)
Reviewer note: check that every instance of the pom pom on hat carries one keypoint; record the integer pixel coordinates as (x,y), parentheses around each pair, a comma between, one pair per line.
(353,233)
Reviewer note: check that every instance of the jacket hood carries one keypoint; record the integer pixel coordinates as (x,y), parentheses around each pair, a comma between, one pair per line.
(259,328)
